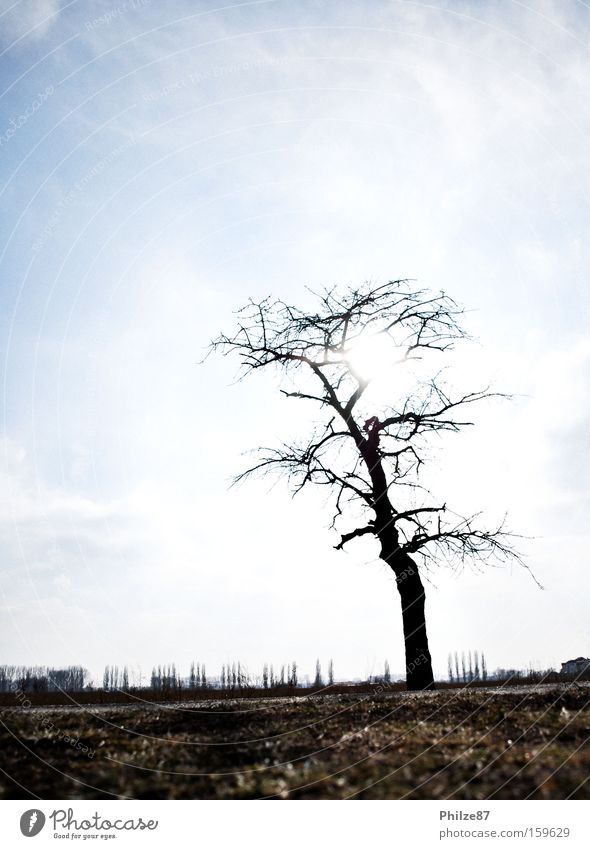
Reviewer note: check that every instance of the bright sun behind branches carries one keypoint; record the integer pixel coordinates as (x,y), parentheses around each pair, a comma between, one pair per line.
(377,358)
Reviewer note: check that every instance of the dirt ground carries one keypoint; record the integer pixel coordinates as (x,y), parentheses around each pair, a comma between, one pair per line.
(464,744)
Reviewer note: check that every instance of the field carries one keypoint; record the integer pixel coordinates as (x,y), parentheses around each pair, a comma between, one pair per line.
(503,743)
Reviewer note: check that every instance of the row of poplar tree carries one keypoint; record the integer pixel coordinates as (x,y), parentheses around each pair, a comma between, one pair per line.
(472,667)
(233,676)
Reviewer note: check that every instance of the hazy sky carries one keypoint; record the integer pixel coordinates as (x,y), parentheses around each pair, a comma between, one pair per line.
(163,162)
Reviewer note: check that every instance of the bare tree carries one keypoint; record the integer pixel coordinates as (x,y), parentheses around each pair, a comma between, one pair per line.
(331,672)
(366,450)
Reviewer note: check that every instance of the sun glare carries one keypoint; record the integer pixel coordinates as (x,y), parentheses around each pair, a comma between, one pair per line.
(375,356)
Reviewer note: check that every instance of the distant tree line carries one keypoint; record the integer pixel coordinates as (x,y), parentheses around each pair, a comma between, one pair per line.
(473,667)
(115,678)
(527,675)
(464,667)
(43,679)
(385,678)
(233,676)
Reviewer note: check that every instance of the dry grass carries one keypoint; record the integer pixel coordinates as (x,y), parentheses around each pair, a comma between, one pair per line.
(470,744)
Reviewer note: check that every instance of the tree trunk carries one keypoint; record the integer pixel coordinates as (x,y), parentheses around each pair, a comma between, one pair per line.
(418,662)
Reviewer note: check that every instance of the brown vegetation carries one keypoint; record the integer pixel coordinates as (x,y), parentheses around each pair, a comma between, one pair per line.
(474,743)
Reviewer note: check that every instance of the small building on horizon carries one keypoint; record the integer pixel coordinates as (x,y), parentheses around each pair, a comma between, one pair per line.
(577,666)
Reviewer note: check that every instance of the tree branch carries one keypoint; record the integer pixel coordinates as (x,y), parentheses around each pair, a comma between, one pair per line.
(359,532)
(418,323)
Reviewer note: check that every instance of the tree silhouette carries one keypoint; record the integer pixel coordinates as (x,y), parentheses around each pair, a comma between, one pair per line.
(318,682)
(368,450)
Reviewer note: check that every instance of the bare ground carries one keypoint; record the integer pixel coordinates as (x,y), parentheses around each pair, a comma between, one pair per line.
(472,744)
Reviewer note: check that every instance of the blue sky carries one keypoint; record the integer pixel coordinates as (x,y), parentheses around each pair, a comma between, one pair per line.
(174,160)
